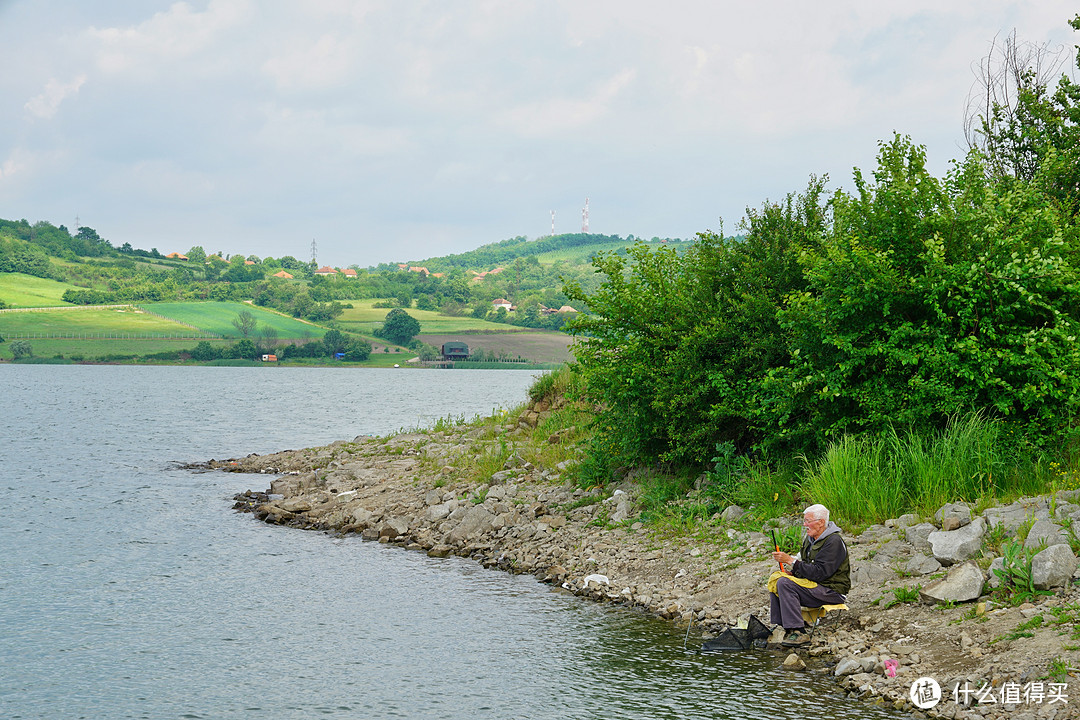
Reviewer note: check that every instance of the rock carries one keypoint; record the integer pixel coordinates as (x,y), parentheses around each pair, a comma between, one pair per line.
(953,516)
(777,636)
(393,527)
(440,551)
(963,583)
(922,565)
(476,521)
(362,517)
(435,513)
(1044,532)
(295,505)
(995,580)
(1013,516)
(794,662)
(870,573)
(1053,567)
(917,534)
(907,520)
(956,546)
(433,497)
(732,513)
(848,666)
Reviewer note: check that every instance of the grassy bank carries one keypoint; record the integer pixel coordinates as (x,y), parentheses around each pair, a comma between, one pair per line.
(862,480)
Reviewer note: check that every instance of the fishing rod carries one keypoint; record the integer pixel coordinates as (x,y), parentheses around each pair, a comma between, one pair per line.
(776,544)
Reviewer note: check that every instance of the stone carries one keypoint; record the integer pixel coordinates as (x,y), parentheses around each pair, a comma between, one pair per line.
(996,564)
(907,520)
(848,666)
(732,513)
(435,513)
(1013,516)
(1046,533)
(476,521)
(870,573)
(394,527)
(922,565)
(295,505)
(955,546)
(953,516)
(963,583)
(1052,567)
(917,534)
(794,662)
(433,497)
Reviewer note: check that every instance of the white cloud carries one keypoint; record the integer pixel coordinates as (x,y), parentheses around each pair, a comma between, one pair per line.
(176,33)
(557,114)
(46,104)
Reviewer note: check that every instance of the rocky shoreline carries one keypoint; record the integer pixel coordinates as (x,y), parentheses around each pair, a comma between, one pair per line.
(408,490)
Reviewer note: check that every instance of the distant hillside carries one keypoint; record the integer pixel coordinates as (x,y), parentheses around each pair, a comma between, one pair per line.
(575,248)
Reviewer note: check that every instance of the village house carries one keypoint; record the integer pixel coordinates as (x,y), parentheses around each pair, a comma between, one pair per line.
(283,274)
(326,270)
(176,256)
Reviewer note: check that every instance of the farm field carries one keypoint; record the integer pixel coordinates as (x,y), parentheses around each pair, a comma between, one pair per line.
(96,348)
(20,291)
(217,317)
(363,318)
(75,320)
(536,345)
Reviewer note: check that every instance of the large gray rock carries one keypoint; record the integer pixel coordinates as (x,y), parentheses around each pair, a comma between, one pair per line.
(438,512)
(917,534)
(1013,516)
(953,516)
(922,565)
(393,527)
(732,513)
(848,666)
(477,521)
(1045,533)
(1052,567)
(955,546)
(870,573)
(964,582)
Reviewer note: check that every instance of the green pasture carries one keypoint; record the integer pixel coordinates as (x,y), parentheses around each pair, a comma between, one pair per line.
(76,321)
(217,317)
(98,348)
(363,318)
(19,290)
(580,255)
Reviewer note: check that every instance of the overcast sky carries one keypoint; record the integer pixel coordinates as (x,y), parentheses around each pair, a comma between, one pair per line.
(396,130)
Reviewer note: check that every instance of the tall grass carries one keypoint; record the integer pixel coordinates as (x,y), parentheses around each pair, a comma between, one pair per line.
(872,478)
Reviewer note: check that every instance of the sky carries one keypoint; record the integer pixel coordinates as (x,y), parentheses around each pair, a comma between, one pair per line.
(397,130)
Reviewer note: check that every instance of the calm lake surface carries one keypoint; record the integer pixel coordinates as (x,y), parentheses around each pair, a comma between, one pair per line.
(130,589)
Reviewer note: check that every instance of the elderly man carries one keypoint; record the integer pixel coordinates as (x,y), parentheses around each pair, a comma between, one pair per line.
(820,577)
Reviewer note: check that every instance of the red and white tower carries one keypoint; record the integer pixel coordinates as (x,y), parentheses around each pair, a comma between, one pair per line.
(585,217)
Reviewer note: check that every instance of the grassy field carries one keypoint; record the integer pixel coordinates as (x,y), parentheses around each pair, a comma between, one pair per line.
(364,318)
(536,345)
(97,348)
(580,255)
(76,321)
(19,290)
(217,317)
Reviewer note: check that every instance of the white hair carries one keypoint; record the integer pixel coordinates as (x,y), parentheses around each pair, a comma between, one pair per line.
(817,512)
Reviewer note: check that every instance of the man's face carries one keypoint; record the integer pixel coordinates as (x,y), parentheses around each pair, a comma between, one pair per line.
(813,527)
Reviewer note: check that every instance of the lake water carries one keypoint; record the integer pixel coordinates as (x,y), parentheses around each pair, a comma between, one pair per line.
(130,589)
